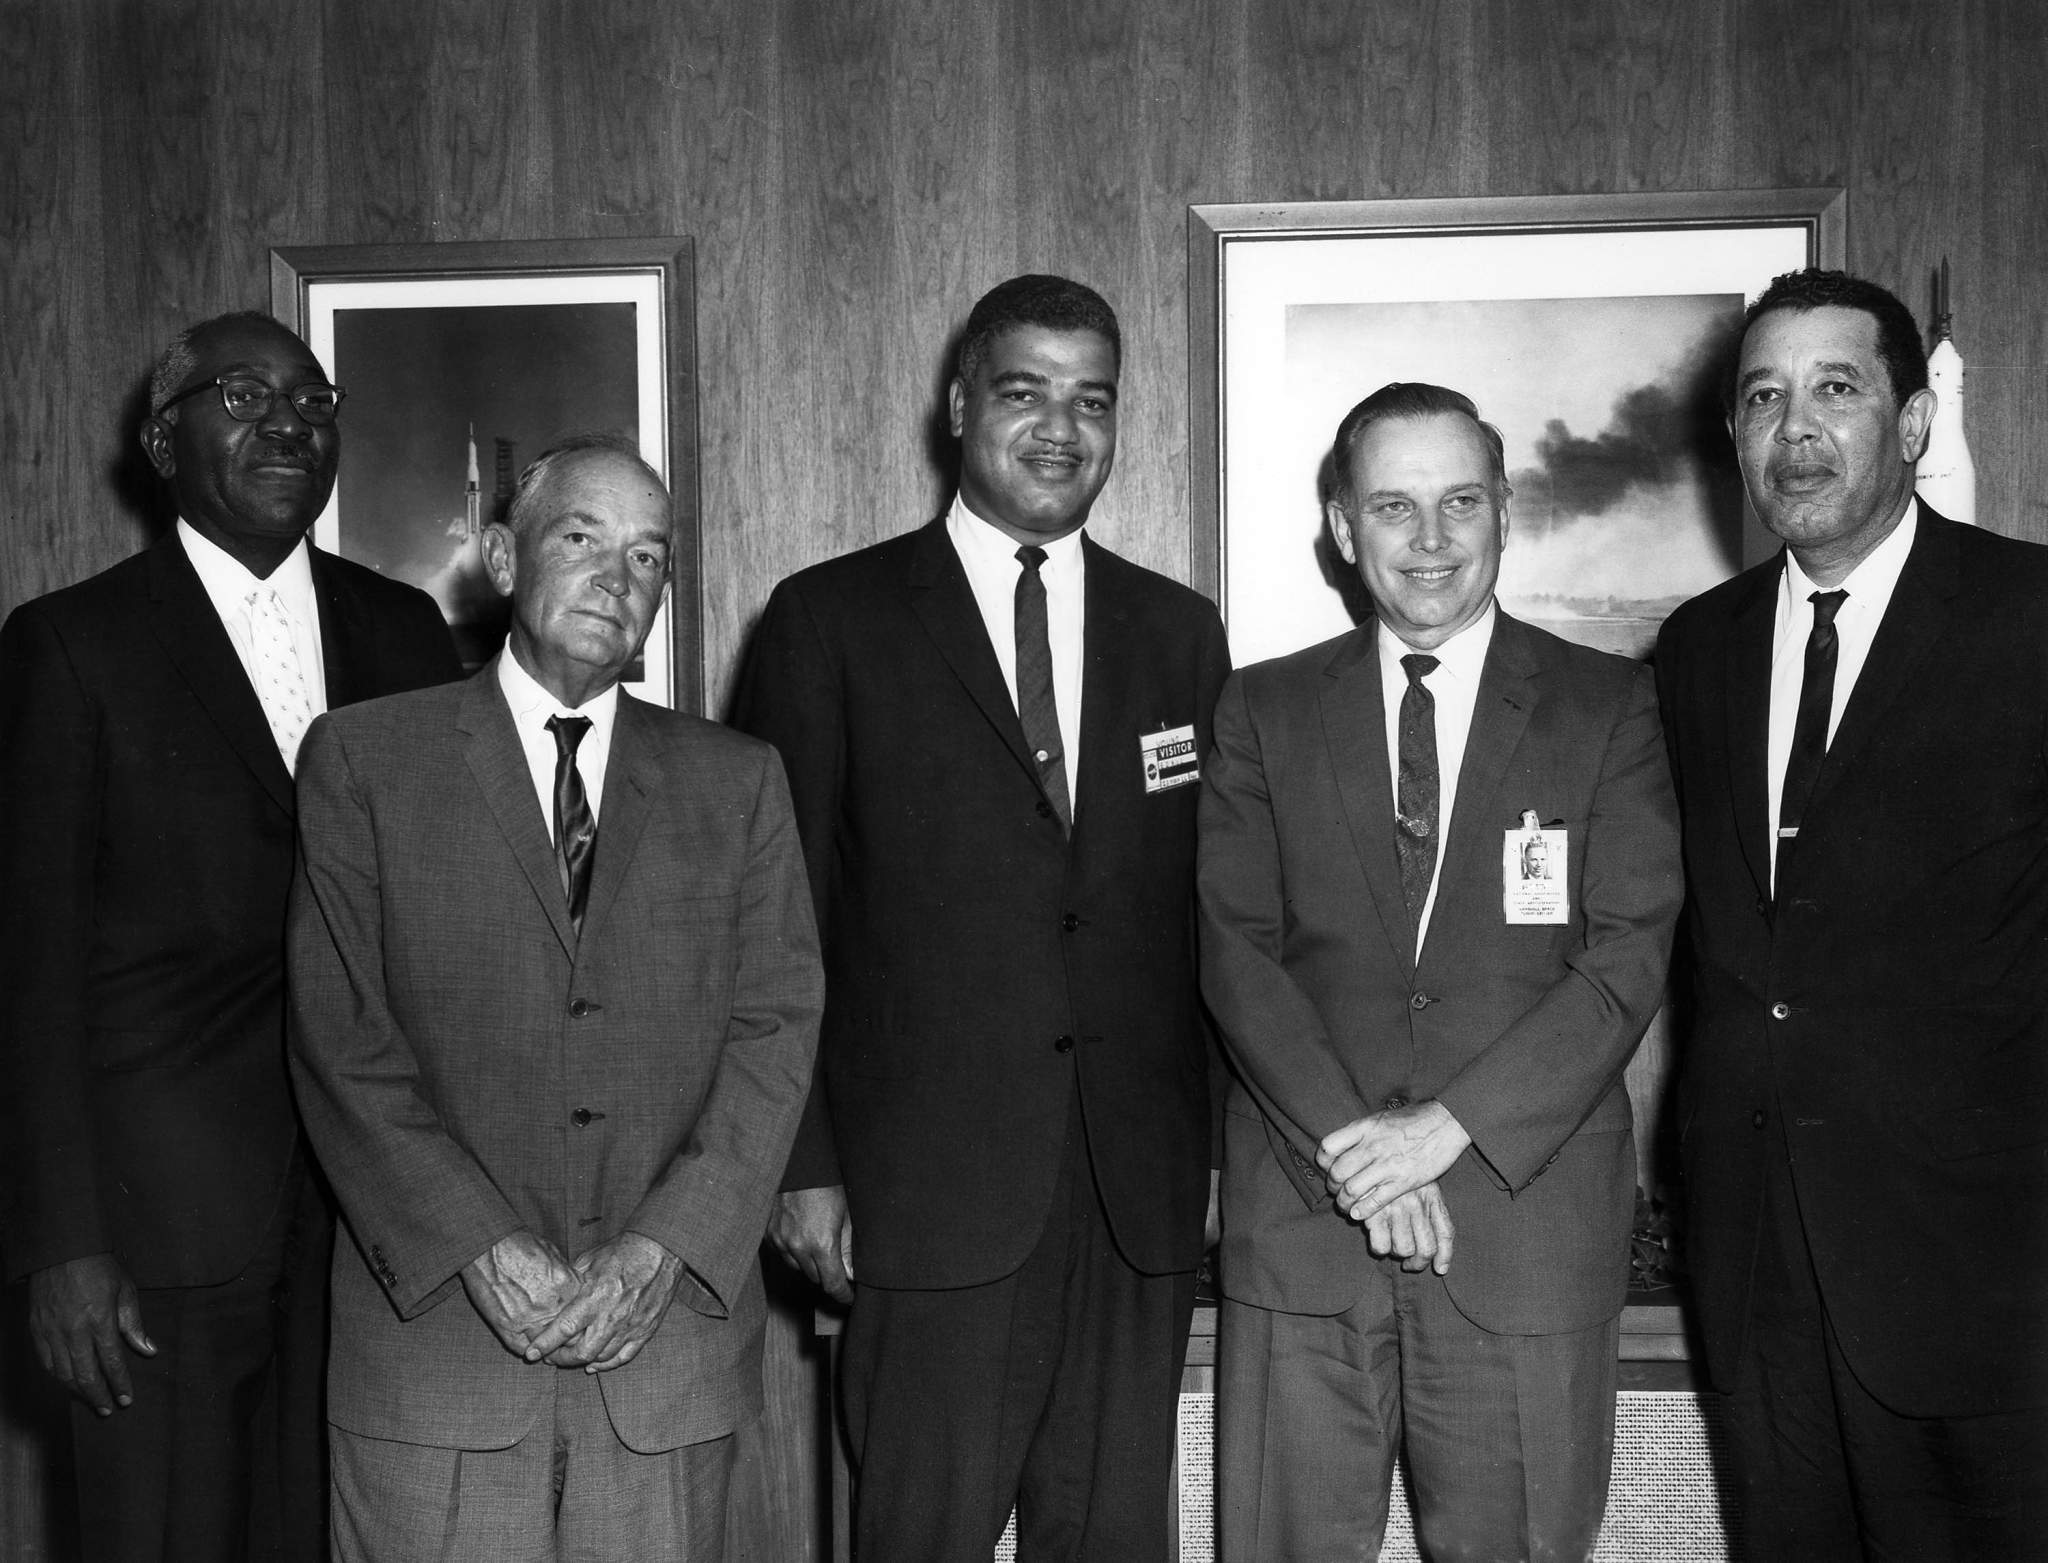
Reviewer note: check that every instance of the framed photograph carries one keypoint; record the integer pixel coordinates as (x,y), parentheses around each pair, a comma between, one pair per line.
(1594,331)
(462,362)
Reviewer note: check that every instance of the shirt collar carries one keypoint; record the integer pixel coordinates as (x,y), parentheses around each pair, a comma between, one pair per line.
(229,582)
(983,546)
(530,702)
(1461,657)
(1876,573)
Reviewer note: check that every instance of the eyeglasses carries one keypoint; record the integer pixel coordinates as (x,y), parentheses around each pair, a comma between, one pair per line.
(250,401)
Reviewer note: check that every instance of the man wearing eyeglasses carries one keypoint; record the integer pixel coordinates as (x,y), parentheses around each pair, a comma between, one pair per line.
(157,1194)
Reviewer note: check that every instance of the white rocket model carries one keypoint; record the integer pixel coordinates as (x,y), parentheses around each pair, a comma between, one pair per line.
(1947,477)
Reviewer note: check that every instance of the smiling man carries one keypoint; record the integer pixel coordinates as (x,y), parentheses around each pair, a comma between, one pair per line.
(555,995)
(157,1192)
(1429,1169)
(992,728)
(1859,730)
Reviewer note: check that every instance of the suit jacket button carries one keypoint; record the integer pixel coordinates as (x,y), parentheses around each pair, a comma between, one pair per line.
(1420,1001)
(1781,1010)
(1063,1045)
(581,1117)
(1394,1103)
(1757,1119)
(580,1007)
(1070,922)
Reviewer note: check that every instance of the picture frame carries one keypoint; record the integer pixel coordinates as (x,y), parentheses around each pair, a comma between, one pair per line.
(462,361)
(1594,330)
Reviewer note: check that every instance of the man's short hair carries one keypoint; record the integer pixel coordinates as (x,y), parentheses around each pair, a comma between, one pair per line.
(1054,303)
(1408,399)
(174,367)
(535,476)
(1898,334)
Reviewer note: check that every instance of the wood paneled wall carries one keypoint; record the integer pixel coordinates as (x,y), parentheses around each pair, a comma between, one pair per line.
(855,172)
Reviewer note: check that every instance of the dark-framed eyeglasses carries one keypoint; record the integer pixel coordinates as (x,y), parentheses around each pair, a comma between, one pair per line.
(250,401)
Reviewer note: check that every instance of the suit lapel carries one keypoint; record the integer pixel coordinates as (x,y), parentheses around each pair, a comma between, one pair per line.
(342,639)
(1508,692)
(1913,621)
(1355,732)
(1746,697)
(630,781)
(944,602)
(502,775)
(1108,726)
(193,637)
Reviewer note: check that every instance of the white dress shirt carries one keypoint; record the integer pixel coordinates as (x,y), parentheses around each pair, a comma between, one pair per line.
(228,584)
(1454,686)
(1870,586)
(990,558)
(531,707)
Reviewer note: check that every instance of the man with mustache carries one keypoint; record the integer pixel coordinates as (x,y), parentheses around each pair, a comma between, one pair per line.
(1859,730)
(158,1194)
(1429,1169)
(993,726)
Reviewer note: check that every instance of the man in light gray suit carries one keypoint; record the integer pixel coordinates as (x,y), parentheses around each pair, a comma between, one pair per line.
(554,1081)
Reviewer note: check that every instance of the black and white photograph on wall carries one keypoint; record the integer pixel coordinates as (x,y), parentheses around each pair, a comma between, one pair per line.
(459,368)
(1593,331)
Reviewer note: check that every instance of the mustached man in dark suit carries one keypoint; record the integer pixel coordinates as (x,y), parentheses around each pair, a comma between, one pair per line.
(1859,729)
(992,727)
(1438,881)
(157,1189)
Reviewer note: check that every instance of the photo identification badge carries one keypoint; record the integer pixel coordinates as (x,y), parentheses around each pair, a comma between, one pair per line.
(1169,758)
(1534,870)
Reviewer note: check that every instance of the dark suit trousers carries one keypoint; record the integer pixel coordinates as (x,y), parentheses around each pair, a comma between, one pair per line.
(1055,1390)
(1507,1438)
(1825,1473)
(223,1454)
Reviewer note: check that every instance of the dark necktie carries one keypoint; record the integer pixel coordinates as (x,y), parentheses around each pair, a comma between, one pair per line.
(1810,727)
(1036,707)
(575,830)
(1415,796)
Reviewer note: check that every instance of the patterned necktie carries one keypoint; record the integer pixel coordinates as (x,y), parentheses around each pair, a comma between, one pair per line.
(1036,707)
(1415,797)
(575,830)
(1810,727)
(280,681)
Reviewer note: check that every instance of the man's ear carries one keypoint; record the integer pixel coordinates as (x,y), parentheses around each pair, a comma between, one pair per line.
(1916,420)
(499,555)
(155,435)
(956,402)
(1340,530)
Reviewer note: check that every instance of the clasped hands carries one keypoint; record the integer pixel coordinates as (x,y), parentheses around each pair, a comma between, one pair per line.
(1382,1170)
(594,1314)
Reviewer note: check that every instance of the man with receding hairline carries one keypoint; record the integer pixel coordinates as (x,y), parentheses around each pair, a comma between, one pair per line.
(157,1193)
(554,999)
(1428,1164)
(1859,730)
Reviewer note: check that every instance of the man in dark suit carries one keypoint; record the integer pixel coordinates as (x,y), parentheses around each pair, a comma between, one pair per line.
(1859,730)
(157,1189)
(555,993)
(991,726)
(1429,1036)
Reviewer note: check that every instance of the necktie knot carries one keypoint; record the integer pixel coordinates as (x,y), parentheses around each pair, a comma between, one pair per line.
(568,731)
(1031,556)
(1418,667)
(1825,606)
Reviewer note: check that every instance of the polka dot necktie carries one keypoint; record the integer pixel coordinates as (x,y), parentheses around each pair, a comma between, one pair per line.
(280,680)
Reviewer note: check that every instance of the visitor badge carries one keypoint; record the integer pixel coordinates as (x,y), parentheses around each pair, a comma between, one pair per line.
(1169,758)
(1534,870)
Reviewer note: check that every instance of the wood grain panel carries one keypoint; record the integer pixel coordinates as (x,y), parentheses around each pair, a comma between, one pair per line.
(856,174)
